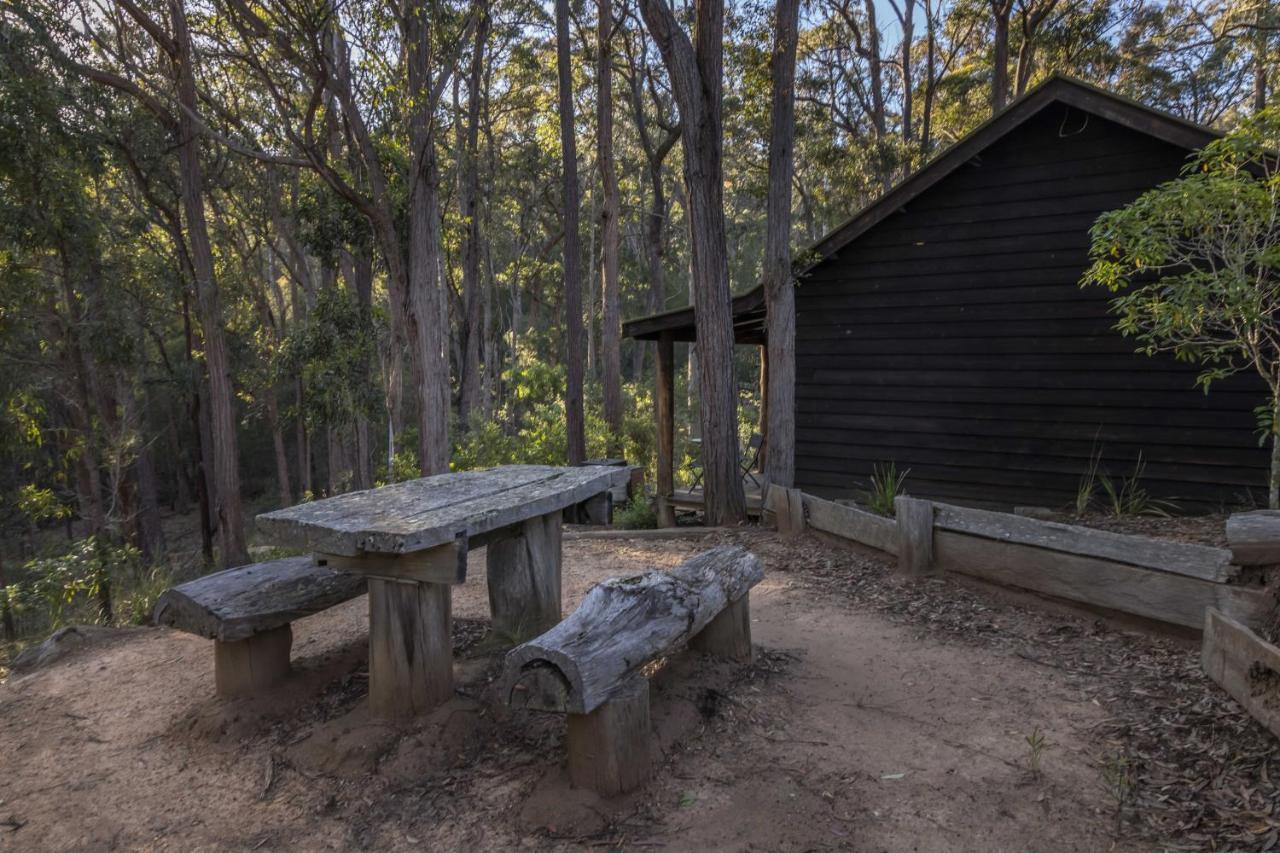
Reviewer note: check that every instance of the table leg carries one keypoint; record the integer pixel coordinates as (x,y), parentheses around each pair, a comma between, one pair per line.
(524,579)
(410,647)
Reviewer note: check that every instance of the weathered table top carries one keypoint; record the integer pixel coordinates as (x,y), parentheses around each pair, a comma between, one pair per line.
(418,514)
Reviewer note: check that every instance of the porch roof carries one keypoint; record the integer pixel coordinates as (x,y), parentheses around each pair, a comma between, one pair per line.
(748,322)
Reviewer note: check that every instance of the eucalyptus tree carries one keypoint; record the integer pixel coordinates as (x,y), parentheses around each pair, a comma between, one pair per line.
(378,70)
(150,59)
(657,131)
(610,320)
(779,285)
(696,68)
(569,214)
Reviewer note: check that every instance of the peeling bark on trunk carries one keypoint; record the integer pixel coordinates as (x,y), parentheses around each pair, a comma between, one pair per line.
(780,303)
(471,379)
(696,69)
(222,417)
(610,328)
(428,361)
(570,203)
(1000,9)
(195,412)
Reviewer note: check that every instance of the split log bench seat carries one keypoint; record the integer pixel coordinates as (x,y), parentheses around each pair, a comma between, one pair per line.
(247,612)
(588,666)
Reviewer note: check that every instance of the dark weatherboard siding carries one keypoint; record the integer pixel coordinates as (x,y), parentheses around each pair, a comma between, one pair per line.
(952,339)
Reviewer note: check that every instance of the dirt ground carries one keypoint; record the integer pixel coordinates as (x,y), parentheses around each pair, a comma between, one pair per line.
(877,717)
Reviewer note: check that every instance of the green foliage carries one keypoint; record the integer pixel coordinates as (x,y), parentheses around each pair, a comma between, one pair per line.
(1088,486)
(529,426)
(1194,263)
(73,581)
(404,466)
(886,485)
(1119,780)
(332,353)
(138,601)
(1036,746)
(635,514)
(40,504)
(1127,496)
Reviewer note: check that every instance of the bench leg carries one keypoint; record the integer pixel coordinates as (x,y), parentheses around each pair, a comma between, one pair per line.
(728,635)
(410,647)
(609,748)
(244,667)
(524,580)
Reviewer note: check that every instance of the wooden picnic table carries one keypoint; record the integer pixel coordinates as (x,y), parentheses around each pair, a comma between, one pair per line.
(411,540)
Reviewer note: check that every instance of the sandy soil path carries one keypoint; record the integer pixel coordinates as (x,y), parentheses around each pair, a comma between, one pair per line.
(851,731)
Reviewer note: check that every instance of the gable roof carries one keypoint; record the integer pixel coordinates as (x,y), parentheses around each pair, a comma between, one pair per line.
(748,308)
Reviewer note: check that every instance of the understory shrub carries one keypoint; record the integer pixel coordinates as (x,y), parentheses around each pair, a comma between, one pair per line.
(886,485)
(635,514)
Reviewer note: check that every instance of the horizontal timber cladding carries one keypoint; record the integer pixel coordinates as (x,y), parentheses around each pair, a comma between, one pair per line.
(953,340)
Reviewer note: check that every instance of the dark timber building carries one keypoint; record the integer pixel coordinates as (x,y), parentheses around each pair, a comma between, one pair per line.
(943,328)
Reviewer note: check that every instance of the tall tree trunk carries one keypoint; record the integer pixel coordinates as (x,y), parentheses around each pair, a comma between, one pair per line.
(222,416)
(931,49)
(610,321)
(10,631)
(428,359)
(1263,24)
(875,68)
(906,14)
(1000,10)
(198,430)
(780,303)
(570,203)
(362,284)
(696,70)
(89,470)
(655,153)
(284,490)
(302,444)
(471,380)
(150,528)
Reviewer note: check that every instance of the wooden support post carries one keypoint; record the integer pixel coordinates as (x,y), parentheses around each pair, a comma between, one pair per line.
(665,407)
(787,506)
(524,580)
(915,535)
(728,635)
(410,647)
(243,667)
(609,747)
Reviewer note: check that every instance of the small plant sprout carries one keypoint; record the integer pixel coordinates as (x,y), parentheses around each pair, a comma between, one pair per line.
(1088,486)
(1118,779)
(1128,497)
(886,485)
(1036,745)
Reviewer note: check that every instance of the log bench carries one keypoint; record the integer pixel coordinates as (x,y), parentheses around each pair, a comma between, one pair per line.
(247,612)
(588,666)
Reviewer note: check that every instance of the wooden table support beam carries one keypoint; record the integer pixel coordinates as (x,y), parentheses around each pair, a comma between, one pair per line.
(524,580)
(410,647)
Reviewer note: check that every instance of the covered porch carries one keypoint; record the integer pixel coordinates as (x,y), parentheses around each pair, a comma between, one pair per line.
(666,329)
